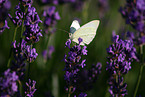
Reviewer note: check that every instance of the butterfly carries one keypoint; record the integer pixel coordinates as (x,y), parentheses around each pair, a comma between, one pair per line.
(87,32)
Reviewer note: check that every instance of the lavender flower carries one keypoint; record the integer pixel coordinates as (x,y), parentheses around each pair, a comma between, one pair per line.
(86,78)
(19,54)
(47,54)
(50,19)
(66,1)
(133,12)
(103,7)
(19,16)
(50,2)
(56,2)
(78,5)
(82,95)
(30,53)
(117,87)
(121,54)
(4,27)
(22,52)
(73,64)
(2,3)
(26,3)
(32,31)
(4,7)
(8,85)
(30,88)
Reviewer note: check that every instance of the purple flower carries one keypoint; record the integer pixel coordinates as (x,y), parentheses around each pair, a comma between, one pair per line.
(2,3)
(121,54)
(4,7)
(56,2)
(17,20)
(136,38)
(48,53)
(117,88)
(82,95)
(50,2)
(19,55)
(103,7)
(22,52)
(30,88)
(50,19)
(87,78)
(27,3)
(30,53)
(133,12)
(78,5)
(66,1)
(4,27)
(32,32)
(73,64)
(8,85)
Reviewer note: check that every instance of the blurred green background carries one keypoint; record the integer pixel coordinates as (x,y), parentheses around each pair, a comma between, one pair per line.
(44,73)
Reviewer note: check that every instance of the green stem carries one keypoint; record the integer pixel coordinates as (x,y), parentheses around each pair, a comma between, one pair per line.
(14,36)
(116,82)
(141,70)
(15,33)
(28,71)
(85,10)
(29,67)
(22,28)
(69,91)
(20,86)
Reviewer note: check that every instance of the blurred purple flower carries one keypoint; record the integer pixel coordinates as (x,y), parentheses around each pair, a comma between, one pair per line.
(133,12)
(56,2)
(30,88)
(48,53)
(27,3)
(78,5)
(82,95)
(50,2)
(50,19)
(8,85)
(4,7)
(4,27)
(103,7)
(17,20)
(86,78)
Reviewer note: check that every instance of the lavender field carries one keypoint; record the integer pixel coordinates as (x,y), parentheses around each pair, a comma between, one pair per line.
(72,48)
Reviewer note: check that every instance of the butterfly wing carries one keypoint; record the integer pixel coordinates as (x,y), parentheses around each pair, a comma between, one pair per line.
(87,32)
(74,26)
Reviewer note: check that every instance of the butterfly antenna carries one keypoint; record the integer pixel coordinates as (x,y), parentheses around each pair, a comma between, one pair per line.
(62,30)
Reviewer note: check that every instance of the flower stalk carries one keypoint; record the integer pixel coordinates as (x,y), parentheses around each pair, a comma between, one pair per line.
(141,70)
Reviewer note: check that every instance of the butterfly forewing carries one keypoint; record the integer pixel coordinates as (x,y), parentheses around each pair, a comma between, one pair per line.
(87,32)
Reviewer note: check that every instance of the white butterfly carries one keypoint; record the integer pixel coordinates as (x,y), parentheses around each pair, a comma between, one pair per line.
(87,32)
